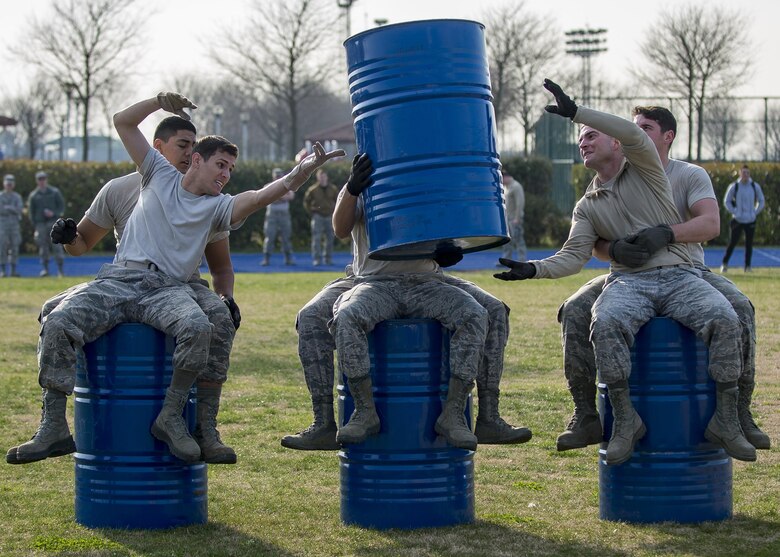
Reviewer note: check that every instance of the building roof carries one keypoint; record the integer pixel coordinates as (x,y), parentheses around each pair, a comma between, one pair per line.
(343,133)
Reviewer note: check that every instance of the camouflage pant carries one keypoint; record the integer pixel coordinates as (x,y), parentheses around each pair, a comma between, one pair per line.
(277,225)
(491,367)
(10,238)
(116,296)
(574,315)
(315,343)
(321,238)
(630,300)
(45,246)
(359,310)
(223,331)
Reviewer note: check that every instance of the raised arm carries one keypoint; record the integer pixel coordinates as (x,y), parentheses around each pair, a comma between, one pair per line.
(248,202)
(127,120)
(344,215)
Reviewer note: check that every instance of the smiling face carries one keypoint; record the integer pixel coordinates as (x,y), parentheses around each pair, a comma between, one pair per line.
(596,148)
(178,149)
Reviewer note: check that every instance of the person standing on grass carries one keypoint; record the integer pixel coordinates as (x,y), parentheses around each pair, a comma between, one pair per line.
(514,196)
(697,205)
(744,199)
(11,207)
(320,201)
(278,225)
(160,250)
(45,205)
(631,194)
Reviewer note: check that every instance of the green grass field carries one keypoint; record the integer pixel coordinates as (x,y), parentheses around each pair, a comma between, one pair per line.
(530,499)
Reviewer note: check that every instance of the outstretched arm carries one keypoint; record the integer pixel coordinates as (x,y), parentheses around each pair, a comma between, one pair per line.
(248,202)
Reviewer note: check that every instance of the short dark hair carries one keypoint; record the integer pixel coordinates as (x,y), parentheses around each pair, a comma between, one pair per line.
(171,125)
(210,144)
(659,114)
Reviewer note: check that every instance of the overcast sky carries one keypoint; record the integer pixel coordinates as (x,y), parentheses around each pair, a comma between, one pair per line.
(625,20)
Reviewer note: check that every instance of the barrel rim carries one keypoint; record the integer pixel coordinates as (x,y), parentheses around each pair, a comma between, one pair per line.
(382,28)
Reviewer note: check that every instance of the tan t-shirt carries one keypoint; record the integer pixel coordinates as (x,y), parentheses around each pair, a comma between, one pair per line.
(690,184)
(639,196)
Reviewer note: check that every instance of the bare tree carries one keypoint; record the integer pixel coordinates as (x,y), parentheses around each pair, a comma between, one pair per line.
(722,125)
(293,59)
(33,108)
(86,46)
(697,51)
(520,44)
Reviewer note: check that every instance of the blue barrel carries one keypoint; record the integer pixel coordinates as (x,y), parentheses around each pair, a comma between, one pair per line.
(674,474)
(406,476)
(125,478)
(422,110)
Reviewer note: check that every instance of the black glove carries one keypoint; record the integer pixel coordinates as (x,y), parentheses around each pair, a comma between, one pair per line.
(565,106)
(627,252)
(655,237)
(518,270)
(447,258)
(360,175)
(63,231)
(235,313)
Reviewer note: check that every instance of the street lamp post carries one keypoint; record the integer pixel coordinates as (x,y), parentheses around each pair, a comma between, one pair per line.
(346,5)
(218,111)
(244,116)
(586,43)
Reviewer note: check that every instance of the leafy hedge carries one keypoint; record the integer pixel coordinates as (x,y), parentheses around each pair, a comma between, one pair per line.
(79,182)
(767,175)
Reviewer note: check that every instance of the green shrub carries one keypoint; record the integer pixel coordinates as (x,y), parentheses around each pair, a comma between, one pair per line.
(722,174)
(79,183)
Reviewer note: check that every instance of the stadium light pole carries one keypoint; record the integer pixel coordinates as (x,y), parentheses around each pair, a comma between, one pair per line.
(586,43)
(346,5)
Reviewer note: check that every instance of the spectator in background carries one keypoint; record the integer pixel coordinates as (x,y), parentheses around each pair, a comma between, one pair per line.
(44,206)
(278,225)
(320,201)
(514,197)
(744,200)
(11,206)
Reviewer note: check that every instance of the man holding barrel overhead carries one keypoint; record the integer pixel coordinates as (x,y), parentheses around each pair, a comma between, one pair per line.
(393,289)
(316,345)
(631,194)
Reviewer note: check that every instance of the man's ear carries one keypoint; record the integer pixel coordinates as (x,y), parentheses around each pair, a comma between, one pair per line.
(195,160)
(157,143)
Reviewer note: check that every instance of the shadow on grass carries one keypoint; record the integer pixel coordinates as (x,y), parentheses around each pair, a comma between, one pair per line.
(750,536)
(482,538)
(209,540)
